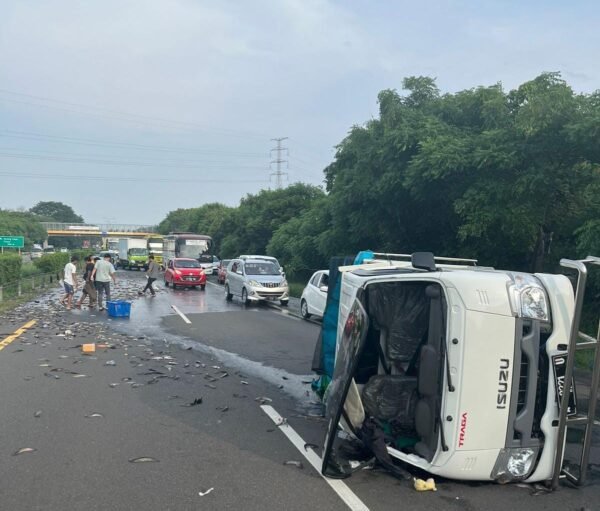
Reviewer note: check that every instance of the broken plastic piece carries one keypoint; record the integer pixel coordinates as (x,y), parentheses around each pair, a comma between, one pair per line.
(421,485)
(143,459)
(88,348)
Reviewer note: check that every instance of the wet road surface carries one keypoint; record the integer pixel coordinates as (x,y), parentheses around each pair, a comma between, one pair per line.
(228,356)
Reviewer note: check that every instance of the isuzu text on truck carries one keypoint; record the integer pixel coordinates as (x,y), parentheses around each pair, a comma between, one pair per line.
(465,371)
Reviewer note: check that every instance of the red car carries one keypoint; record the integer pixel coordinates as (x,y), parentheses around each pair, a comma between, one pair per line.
(185,272)
(222,271)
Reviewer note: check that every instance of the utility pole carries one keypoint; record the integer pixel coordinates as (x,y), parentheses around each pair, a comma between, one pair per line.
(279,160)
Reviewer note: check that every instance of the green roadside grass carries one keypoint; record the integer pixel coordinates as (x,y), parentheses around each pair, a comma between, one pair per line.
(296,288)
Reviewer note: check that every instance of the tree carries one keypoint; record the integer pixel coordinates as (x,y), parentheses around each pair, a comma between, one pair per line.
(56,211)
(17,223)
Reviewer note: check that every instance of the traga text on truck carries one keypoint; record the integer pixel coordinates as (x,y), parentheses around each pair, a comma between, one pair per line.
(466,371)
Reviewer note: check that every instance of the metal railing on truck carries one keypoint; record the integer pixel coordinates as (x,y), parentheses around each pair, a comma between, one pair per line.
(578,341)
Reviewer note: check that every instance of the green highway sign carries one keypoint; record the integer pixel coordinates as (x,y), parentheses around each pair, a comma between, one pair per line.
(12,241)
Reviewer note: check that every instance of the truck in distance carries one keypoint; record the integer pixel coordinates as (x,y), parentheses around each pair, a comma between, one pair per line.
(133,254)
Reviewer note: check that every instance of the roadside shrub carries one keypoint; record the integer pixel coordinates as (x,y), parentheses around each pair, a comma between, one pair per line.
(10,268)
(52,263)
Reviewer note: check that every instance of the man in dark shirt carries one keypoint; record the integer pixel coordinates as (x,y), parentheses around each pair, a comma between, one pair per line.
(88,287)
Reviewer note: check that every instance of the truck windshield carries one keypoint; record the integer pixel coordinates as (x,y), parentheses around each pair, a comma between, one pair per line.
(193,249)
(138,251)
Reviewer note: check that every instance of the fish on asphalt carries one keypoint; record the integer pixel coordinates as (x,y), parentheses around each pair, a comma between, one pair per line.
(294,463)
(37,414)
(195,402)
(143,459)
(94,415)
(24,450)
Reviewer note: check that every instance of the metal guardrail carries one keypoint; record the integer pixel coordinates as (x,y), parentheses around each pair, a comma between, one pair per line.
(27,285)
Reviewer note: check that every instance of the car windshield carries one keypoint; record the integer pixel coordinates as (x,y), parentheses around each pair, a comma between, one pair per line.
(187,264)
(261,268)
(225,263)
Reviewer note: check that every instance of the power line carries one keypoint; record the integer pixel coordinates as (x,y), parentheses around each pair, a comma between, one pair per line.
(125,163)
(120,115)
(136,179)
(278,161)
(91,156)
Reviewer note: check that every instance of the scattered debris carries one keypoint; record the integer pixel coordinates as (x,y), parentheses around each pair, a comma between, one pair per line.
(94,415)
(37,414)
(143,459)
(243,382)
(294,463)
(113,385)
(202,494)
(223,408)
(312,446)
(263,400)
(421,485)
(110,363)
(195,402)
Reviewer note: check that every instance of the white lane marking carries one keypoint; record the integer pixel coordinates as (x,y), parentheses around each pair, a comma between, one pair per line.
(220,286)
(341,488)
(183,316)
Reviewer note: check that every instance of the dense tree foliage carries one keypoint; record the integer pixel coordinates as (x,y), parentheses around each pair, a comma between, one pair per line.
(56,211)
(249,227)
(511,178)
(19,223)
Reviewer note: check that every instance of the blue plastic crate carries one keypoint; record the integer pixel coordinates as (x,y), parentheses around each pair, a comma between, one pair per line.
(118,308)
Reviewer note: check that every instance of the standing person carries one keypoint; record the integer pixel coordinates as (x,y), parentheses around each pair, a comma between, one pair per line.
(103,272)
(151,274)
(70,281)
(89,289)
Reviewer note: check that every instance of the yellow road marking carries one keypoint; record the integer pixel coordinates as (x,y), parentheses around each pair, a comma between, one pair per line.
(18,332)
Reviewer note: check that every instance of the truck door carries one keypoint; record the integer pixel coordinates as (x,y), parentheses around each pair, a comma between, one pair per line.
(347,357)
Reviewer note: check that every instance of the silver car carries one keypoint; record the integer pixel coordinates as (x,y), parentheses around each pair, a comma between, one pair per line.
(256,280)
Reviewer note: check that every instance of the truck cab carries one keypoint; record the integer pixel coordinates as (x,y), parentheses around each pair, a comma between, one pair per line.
(461,368)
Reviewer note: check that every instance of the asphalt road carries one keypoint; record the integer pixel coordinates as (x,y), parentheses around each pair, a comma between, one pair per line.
(229,355)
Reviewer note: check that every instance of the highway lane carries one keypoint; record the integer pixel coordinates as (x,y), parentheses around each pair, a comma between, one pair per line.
(226,443)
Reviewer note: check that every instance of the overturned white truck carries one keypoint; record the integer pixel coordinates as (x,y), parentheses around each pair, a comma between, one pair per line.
(459,370)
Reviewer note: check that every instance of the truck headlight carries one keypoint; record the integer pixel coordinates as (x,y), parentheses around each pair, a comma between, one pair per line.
(528,297)
(514,464)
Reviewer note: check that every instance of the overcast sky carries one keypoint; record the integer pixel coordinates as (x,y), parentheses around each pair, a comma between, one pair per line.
(126,110)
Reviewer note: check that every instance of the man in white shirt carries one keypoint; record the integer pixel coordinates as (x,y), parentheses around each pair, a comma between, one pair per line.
(70,281)
(103,272)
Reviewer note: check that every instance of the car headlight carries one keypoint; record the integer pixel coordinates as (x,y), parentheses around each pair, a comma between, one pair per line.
(514,464)
(253,283)
(528,297)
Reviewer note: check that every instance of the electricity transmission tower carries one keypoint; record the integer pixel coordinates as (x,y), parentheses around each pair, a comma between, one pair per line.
(279,161)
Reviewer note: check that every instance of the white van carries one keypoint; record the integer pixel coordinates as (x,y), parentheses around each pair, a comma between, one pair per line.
(466,370)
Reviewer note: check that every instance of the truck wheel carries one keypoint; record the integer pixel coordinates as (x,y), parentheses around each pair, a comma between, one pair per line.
(228,295)
(304,309)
